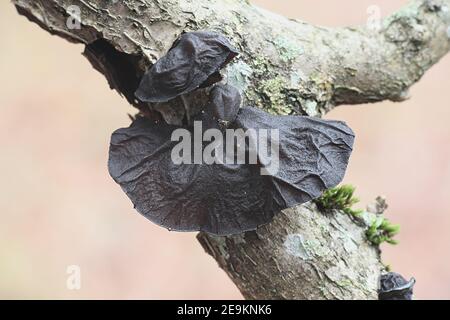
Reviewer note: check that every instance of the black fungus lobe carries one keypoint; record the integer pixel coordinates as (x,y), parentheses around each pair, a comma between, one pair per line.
(219,199)
(194,61)
(224,103)
(225,199)
(394,287)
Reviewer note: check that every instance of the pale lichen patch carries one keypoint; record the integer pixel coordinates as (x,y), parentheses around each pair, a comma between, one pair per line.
(340,275)
(295,246)
(287,49)
(350,245)
(238,75)
(310,107)
(295,79)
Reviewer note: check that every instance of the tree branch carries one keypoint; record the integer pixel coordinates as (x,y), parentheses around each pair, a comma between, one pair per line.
(286,66)
(302,254)
(372,66)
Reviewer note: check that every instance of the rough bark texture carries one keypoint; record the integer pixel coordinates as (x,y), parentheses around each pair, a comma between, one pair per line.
(302,254)
(286,67)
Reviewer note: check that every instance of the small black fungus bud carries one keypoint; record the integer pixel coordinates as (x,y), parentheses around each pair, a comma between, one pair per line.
(224,104)
(194,61)
(394,287)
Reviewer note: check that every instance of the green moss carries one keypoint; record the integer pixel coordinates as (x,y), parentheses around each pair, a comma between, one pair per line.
(382,230)
(379,229)
(339,198)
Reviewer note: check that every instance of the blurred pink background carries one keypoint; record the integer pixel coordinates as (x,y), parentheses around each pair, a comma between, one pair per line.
(59,207)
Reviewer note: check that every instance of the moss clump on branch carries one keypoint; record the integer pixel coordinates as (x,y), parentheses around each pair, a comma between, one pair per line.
(342,198)
(382,230)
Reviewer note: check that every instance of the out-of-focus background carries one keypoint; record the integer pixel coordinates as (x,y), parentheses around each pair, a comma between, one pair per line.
(59,207)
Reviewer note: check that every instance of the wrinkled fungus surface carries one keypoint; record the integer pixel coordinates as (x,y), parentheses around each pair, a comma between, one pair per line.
(271,162)
(219,199)
(194,61)
(225,198)
(394,287)
(224,103)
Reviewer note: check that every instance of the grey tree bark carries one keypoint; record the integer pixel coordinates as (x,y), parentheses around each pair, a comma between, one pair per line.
(286,66)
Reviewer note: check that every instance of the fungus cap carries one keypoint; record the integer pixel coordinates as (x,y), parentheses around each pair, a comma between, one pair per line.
(228,198)
(194,61)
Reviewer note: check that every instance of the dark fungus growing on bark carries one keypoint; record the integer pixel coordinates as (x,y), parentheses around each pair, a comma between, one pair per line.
(228,197)
(394,287)
(224,103)
(193,61)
